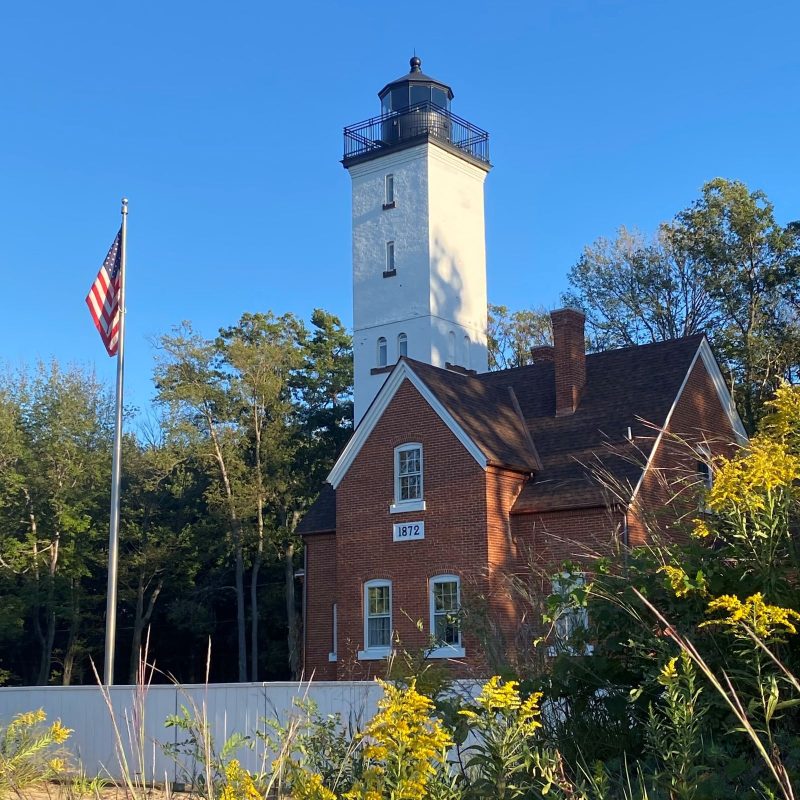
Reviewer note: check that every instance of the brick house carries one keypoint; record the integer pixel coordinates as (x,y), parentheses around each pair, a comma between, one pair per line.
(455,477)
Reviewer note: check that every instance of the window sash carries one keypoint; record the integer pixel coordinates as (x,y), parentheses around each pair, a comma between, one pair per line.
(445,603)
(409,472)
(379,616)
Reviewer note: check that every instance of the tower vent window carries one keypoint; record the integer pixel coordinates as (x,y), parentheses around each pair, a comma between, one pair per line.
(402,345)
(388,192)
(390,264)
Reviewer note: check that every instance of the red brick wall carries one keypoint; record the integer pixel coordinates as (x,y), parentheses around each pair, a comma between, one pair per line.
(455,528)
(547,540)
(320,589)
(502,489)
(668,498)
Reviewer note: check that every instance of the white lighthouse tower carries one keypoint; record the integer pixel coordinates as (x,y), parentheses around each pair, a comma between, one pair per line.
(419,243)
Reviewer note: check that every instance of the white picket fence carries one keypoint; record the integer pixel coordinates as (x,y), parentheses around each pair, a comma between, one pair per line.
(229,708)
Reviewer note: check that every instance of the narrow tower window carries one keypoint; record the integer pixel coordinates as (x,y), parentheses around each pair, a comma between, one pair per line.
(382,354)
(402,345)
(466,352)
(388,192)
(451,347)
(390,268)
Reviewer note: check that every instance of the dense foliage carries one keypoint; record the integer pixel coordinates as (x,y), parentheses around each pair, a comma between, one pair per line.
(214,483)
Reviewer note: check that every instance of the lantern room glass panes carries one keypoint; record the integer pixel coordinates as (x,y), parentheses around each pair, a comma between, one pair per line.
(409,473)
(379,616)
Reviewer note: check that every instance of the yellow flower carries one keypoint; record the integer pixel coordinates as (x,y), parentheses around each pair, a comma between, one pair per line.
(701,529)
(764,620)
(238,783)
(499,697)
(56,765)
(746,481)
(669,672)
(59,733)
(681,583)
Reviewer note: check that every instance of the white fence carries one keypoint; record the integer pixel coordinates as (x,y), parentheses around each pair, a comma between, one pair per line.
(229,708)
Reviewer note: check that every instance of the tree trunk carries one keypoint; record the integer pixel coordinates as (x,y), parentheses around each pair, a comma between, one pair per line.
(258,558)
(291,612)
(73,643)
(141,620)
(236,531)
(50,611)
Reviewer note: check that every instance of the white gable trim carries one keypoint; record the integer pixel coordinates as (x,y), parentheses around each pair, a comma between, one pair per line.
(725,399)
(389,389)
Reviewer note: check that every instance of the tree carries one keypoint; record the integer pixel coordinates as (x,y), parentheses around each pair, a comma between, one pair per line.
(53,455)
(636,291)
(191,382)
(511,335)
(260,353)
(752,274)
(723,266)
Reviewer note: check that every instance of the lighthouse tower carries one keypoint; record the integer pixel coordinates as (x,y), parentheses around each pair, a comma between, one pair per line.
(419,243)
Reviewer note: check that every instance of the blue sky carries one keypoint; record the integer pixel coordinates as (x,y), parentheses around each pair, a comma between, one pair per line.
(223,125)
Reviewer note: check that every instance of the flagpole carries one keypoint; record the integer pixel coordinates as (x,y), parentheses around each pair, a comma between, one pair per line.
(113,536)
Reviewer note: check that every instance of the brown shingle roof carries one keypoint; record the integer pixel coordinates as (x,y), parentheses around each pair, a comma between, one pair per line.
(625,388)
(321,517)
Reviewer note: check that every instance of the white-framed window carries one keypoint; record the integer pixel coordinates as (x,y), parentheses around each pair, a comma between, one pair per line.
(572,619)
(451,347)
(466,351)
(402,345)
(332,656)
(408,478)
(383,353)
(390,265)
(445,623)
(377,620)
(388,190)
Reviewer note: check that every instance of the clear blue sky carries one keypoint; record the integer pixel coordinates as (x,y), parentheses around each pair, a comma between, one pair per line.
(223,125)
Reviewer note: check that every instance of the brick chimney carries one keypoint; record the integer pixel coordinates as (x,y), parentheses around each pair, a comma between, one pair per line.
(569,347)
(542,354)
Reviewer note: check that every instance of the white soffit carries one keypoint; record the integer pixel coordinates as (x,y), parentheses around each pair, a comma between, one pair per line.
(400,373)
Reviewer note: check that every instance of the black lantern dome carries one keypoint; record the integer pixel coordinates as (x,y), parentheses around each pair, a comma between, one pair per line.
(414,109)
(414,89)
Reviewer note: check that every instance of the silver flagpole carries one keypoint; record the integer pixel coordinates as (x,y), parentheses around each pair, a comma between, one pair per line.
(113,537)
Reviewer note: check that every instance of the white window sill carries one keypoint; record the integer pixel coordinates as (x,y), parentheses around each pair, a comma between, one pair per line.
(332,657)
(407,505)
(446,651)
(374,654)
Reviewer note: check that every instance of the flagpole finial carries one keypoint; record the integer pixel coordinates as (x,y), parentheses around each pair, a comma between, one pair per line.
(124,205)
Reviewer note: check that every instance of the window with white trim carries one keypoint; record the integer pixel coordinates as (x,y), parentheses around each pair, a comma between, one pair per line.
(388,193)
(466,352)
(445,623)
(408,473)
(572,617)
(451,347)
(383,352)
(390,265)
(377,619)
(402,345)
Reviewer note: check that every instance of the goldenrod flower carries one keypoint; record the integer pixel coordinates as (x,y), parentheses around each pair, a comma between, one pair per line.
(59,733)
(764,620)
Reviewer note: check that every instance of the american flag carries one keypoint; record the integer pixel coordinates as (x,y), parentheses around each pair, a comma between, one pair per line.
(103,298)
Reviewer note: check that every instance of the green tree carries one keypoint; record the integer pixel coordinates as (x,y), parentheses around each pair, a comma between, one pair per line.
(192,384)
(723,266)
(512,334)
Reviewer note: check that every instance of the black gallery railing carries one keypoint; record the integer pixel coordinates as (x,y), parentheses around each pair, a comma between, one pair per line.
(423,119)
